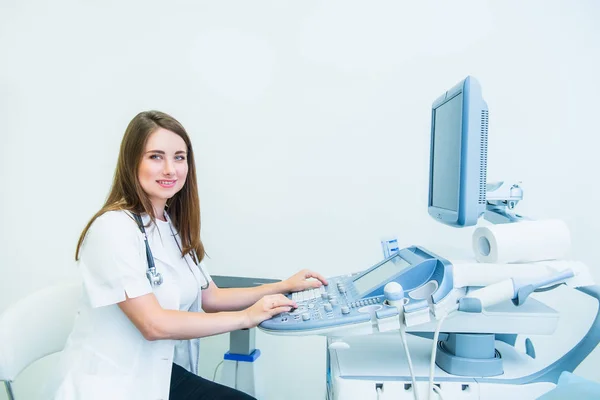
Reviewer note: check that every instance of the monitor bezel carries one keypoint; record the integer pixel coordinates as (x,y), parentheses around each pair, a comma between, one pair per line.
(469,181)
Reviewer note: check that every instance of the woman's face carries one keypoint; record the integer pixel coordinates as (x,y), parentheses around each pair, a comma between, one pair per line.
(164,167)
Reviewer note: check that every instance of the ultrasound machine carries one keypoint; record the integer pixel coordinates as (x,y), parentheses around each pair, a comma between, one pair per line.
(419,326)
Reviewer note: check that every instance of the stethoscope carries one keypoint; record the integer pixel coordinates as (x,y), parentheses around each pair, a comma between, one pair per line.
(155,278)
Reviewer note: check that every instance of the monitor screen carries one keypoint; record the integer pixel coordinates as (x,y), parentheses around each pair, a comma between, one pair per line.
(380,274)
(446,154)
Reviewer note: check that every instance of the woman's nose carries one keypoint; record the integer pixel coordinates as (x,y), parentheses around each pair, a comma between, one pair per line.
(169,168)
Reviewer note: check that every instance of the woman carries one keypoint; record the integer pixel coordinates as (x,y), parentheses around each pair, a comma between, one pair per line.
(137,340)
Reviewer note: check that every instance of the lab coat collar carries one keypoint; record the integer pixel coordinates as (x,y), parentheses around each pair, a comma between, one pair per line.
(188,258)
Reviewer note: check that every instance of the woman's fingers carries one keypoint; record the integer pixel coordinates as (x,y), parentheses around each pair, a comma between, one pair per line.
(313,274)
(280,310)
(278,301)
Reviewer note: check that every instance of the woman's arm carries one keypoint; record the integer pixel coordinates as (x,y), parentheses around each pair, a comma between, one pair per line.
(215,299)
(157,323)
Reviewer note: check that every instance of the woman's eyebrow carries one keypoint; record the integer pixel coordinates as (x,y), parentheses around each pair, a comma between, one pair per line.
(162,152)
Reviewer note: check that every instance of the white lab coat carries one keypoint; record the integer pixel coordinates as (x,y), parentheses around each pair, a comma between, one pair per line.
(106,356)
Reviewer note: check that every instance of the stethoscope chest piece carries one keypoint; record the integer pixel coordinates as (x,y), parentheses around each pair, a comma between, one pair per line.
(154,277)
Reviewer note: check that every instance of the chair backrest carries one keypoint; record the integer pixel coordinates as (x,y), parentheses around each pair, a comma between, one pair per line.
(36,326)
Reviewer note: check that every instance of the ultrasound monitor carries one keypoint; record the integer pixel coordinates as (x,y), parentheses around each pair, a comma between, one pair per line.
(458,155)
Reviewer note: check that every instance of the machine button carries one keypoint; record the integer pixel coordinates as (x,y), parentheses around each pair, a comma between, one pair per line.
(324,296)
(305,317)
(342,289)
(345,310)
(333,301)
(311,306)
(328,307)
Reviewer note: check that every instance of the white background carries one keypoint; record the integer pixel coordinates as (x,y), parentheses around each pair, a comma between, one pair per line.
(310,122)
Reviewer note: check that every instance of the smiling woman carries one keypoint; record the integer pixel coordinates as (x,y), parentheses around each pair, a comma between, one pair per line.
(163,169)
(156,147)
(136,333)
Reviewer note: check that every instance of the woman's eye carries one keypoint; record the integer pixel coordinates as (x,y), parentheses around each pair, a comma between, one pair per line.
(155,157)
(180,158)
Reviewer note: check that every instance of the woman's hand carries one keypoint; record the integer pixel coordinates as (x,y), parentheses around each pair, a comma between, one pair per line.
(267,307)
(301,281)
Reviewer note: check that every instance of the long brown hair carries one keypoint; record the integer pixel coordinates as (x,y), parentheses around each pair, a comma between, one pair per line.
(127,194)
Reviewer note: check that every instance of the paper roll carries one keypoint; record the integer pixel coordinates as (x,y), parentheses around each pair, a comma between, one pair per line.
(519,242)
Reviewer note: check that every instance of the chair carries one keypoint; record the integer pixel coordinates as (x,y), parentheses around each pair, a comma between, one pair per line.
(34,327)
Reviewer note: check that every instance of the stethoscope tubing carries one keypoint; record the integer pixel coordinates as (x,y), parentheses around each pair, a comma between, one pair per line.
(154,277)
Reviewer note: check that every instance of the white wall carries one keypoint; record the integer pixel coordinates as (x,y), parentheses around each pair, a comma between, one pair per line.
(310,121)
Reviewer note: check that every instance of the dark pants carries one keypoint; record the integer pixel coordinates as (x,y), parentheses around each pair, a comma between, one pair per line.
(187,386)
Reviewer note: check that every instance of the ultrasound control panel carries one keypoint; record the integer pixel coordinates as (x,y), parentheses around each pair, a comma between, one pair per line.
(358,298)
